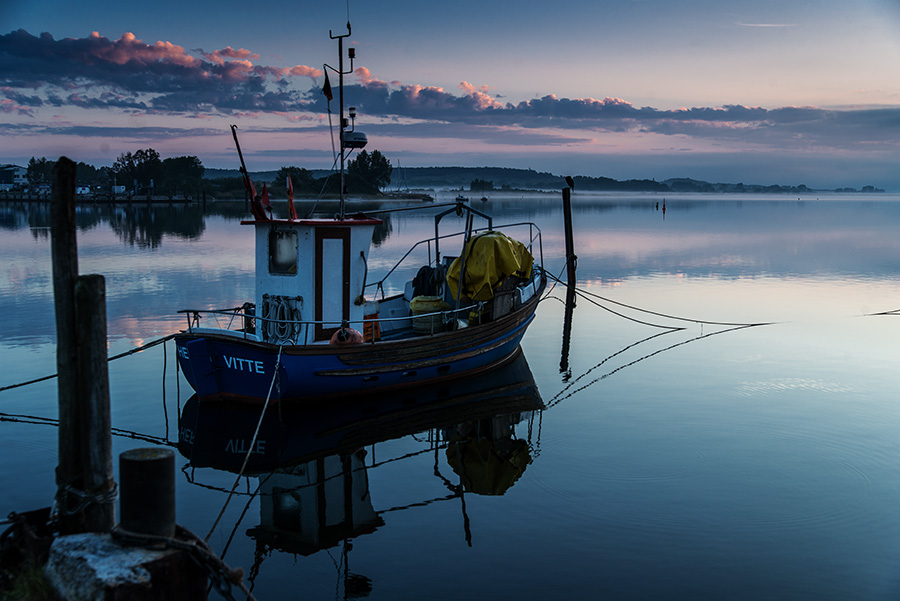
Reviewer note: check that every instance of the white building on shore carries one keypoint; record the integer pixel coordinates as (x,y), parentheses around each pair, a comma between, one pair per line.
(12,176)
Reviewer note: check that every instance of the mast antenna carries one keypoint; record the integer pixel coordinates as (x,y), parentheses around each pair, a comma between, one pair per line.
(341,120)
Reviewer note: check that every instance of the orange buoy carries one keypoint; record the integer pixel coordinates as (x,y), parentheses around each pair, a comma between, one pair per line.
(346,335)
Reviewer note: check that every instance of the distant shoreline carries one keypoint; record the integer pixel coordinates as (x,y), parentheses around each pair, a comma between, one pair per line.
(444,196)
(502,179)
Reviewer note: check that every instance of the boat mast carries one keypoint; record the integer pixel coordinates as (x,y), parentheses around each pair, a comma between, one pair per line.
(343,122)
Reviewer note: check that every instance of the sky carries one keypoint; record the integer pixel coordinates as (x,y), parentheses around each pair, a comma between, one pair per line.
(759,92)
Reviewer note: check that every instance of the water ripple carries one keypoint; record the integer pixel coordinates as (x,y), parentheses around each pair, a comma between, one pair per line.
(778,385)
(739,478)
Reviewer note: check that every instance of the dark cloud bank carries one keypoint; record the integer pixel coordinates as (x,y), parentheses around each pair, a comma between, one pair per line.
(130,75)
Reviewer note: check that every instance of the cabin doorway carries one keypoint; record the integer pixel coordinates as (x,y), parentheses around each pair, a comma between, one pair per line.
(332,264)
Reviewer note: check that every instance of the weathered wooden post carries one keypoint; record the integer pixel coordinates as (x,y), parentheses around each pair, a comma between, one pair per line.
(148,491)
(571,263)
(571,259)
(65,270)
(78,566)
(567,335)
(85,486)
(93,374)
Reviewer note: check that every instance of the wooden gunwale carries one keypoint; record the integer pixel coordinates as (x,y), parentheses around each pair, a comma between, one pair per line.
(417,363)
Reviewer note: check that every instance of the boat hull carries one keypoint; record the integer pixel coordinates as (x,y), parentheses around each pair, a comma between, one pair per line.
(226,367)
(220,436)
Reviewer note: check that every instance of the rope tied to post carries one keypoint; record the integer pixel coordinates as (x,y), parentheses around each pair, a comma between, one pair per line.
(222,577)
(65,494)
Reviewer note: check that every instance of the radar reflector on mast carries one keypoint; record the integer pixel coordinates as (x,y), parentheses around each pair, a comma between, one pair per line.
(355,139)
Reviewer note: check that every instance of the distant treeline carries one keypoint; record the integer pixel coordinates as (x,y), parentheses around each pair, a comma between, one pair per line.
(144,174)
(367,174)
(485,179)
(692,185)
(139,173)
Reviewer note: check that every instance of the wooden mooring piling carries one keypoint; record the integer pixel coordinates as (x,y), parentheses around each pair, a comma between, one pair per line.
(91,558)
(571,258)
(571,264)
(84,475)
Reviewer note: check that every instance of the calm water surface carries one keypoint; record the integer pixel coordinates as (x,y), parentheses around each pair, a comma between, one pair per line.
(714,461)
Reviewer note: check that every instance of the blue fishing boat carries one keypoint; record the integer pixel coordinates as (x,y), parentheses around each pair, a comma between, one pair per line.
(225,436)
(319,328)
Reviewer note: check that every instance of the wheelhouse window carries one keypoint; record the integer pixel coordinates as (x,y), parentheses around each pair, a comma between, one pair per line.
(283,252)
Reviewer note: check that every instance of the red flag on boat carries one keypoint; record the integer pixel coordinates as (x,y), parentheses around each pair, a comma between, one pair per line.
(290,187)
(255,206)
(264,201)
(259,213)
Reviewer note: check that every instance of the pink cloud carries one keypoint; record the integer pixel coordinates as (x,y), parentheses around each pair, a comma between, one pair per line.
(218,56)
(304,71)
(240,70)
(10,106)
(471,89)
(239,65)
(482,99)
(415,90)
(610,101)
(128,48)
(157,77)
(367,80)
(295,71)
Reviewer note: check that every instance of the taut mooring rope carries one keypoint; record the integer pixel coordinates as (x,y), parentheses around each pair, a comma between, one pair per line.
(119,356)
(252,444)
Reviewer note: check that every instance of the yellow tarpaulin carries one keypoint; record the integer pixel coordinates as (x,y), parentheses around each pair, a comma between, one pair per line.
(490,258)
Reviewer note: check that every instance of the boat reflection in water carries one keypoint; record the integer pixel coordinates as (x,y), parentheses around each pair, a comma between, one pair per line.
(312,463)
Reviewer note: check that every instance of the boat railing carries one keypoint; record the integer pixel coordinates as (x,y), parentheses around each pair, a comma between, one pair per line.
(300,331)
(379,285)
(534,244)
(534,238)
(194,316)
